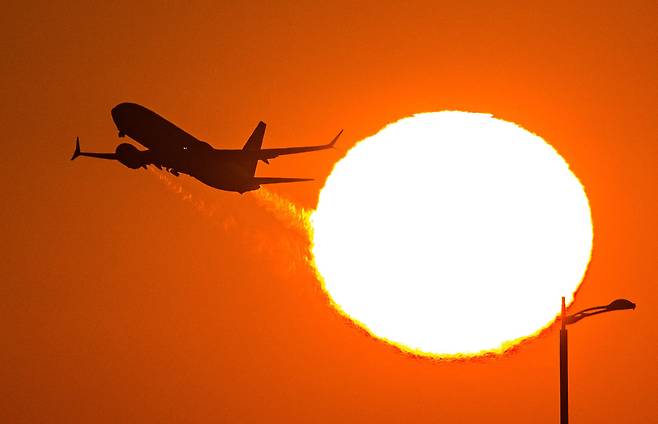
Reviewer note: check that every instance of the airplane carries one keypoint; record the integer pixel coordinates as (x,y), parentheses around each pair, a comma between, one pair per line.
(178,152)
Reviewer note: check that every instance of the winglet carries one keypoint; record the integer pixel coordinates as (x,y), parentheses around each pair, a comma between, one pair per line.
(76,153)
(333,142)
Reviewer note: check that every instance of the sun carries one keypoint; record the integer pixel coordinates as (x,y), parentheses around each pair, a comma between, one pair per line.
(452,234)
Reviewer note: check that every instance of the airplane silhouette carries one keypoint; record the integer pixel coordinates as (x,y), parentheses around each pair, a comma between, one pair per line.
(178,152)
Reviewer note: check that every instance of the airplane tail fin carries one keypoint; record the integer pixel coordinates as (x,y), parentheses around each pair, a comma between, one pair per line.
(76,153)
(253,145)
(256,139)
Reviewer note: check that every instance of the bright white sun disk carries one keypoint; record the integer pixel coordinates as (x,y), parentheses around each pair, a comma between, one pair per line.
(452,233)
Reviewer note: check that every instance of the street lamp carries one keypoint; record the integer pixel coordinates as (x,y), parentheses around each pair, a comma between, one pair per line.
(615,305)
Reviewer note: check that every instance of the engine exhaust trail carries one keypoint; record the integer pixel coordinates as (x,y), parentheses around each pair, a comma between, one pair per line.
(292,242)
(284,210)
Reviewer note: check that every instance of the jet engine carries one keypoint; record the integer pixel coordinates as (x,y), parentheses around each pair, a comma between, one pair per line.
(130,156)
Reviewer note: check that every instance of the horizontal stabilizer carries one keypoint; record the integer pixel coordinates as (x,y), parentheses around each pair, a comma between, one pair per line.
(277,180)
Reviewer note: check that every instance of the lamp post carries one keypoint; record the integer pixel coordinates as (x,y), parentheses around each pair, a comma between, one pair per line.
(615,305)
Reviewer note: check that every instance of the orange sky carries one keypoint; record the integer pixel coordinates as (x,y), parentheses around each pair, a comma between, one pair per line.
(122,301)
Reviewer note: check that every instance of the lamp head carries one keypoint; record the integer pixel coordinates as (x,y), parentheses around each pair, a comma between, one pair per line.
(620,304)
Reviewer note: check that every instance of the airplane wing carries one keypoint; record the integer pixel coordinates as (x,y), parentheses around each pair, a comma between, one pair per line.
(266,154)
(277,180)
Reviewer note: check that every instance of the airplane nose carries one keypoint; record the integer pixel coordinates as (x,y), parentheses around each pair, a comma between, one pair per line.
(126,110)
(127,115)
(117,111)
(119,115)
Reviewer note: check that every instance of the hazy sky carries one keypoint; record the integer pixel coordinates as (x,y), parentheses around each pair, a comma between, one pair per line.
(129,298)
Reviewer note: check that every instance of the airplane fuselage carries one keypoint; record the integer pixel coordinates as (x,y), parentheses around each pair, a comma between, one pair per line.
(179,152)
